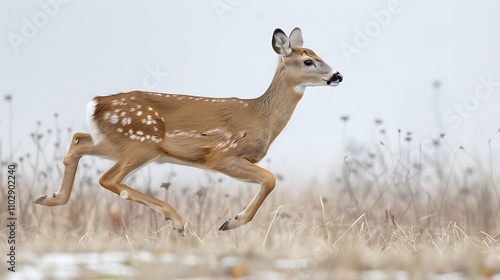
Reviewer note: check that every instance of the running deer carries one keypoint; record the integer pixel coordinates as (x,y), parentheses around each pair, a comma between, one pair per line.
(228,135)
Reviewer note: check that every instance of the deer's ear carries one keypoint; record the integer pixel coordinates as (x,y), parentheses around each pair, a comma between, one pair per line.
(281,43)
(296,40)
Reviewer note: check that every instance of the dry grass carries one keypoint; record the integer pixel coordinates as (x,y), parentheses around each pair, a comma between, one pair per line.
(382,211)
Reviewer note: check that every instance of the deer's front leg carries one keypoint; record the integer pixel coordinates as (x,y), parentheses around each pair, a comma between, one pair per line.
(240,168)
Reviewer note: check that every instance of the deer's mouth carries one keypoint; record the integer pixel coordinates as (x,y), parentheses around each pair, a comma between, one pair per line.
(332,83)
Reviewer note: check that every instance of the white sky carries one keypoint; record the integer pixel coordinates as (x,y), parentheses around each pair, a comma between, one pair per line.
(85,48)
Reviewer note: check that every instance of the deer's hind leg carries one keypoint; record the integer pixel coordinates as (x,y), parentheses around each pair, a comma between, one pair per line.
(113,181)
(81,144)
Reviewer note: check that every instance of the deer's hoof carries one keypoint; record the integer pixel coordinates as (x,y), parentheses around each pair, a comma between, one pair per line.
(40,200)
(179,230)
(225,226)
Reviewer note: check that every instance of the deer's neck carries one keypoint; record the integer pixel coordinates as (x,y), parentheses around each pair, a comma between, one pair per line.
(278,103)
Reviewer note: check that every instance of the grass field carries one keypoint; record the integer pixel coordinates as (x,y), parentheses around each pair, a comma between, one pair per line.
(383,216)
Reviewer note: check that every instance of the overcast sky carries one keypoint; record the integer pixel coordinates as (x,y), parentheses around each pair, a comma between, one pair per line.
(56,55)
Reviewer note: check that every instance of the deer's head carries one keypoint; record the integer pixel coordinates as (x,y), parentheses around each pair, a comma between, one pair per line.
(303,67)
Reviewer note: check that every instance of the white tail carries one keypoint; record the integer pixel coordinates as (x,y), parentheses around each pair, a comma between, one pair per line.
(228,135)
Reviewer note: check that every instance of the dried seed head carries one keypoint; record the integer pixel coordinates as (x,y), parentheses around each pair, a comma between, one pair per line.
(166,185)
(344,118)
(436,84)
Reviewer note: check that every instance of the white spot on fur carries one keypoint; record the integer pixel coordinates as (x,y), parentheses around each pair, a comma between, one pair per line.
(229,142)
(120,130)
(213,131)
(122,114)
(234,144)
(118,102)
(150,109)
(113,119)
(140,132)
(126,121)
(178,133)
(107,115)
(155,139)
(139,113)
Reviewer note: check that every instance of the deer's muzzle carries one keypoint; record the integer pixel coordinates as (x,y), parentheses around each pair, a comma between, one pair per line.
(336,78)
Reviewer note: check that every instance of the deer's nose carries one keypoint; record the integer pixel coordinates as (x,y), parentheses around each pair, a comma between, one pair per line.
(337,77)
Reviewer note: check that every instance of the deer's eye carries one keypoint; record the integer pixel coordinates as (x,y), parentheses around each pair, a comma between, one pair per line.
(308,62)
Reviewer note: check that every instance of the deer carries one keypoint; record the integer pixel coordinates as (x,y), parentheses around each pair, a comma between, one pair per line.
(226,135)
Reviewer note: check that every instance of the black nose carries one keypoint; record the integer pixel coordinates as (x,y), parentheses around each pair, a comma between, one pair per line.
(338,77)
